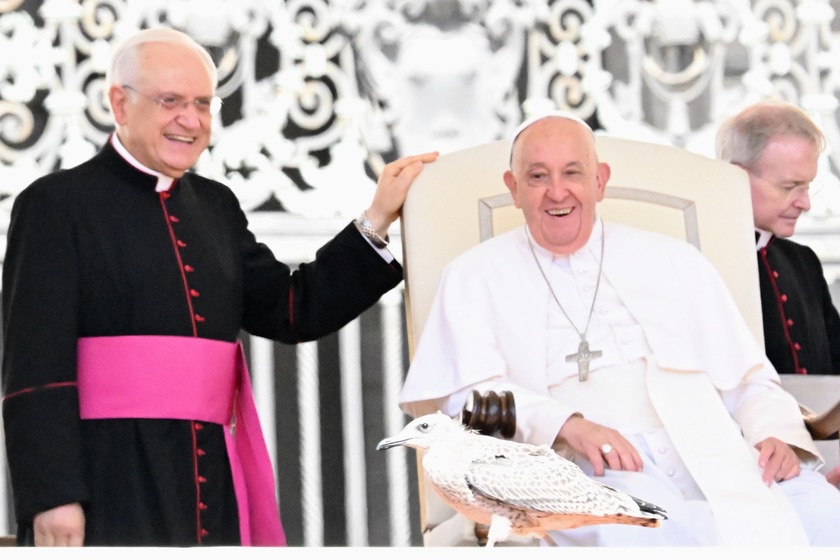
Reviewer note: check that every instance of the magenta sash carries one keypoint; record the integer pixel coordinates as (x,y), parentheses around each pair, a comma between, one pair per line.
(188,378)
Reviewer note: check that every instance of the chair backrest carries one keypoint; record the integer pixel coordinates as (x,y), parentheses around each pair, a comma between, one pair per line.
(461,199)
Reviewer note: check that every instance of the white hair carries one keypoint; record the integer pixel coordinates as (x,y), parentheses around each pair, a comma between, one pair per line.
(123,68)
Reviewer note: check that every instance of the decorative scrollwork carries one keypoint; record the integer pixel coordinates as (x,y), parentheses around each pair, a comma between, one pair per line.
(311,84)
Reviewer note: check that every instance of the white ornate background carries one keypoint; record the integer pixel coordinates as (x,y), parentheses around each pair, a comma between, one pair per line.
(319,94)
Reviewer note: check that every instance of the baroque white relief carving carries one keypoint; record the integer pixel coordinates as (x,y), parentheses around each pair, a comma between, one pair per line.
(319,94)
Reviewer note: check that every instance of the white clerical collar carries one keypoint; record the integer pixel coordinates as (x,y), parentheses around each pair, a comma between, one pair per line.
(164,183)
(762,239)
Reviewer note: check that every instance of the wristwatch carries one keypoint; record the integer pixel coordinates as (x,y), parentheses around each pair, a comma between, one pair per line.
(367,230)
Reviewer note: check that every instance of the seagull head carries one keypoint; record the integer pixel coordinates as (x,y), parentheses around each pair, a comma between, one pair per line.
(423,431)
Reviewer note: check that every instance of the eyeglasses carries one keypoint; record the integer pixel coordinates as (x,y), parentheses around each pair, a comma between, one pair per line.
(172,102)
(792,189)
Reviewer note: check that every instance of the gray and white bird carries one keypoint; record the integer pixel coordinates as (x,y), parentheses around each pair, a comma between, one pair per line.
(517,489)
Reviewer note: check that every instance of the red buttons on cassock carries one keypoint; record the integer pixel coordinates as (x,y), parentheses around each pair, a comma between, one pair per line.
(790,322)
(198,425)
(199,318)
(783,297)
(181,243)
(797,346)
(775,274)
(194,293)
(204,533)
(201,452)
(202,505)
(201,479)
(188,268)
(174,219)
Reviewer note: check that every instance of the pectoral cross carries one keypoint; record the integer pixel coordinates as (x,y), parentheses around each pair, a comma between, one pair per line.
(583,357)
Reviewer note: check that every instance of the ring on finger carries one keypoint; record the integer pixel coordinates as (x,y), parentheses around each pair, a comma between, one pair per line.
(606,448)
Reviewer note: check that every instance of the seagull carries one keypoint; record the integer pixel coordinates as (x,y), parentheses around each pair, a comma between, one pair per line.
(517,489)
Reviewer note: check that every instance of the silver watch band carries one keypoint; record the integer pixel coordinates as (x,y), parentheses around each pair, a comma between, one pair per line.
(367,230)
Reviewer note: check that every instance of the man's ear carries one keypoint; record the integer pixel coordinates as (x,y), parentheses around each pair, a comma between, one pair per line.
(510,183)
(602,176)
(118,98)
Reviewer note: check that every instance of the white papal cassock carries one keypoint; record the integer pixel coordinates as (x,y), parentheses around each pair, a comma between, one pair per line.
(681,375)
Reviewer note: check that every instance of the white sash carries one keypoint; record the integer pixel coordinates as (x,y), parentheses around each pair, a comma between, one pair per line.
(747,512)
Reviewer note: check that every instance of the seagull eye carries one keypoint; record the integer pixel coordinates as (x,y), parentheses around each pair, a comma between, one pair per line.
(424,427)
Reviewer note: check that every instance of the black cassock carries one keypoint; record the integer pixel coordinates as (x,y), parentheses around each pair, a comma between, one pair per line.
(801,324)
(96,251)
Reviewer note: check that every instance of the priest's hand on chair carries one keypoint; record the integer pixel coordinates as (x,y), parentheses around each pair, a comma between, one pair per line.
(392,188)
(603,446)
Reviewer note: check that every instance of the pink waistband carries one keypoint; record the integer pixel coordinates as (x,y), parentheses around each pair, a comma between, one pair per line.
(187,378)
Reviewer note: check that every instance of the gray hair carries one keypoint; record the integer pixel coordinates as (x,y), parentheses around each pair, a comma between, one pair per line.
(123,68)
(742,138)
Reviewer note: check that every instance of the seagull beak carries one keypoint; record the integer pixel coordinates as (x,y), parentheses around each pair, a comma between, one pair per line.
(388,443)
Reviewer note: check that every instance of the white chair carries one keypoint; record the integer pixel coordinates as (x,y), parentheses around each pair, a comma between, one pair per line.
(460,200)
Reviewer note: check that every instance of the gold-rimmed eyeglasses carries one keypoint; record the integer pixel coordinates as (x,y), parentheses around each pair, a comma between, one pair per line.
(173,101)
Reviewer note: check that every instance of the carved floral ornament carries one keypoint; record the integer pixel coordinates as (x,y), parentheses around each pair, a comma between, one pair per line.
(318,94)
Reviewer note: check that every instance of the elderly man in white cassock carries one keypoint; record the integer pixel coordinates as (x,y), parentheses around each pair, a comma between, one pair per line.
(624,348)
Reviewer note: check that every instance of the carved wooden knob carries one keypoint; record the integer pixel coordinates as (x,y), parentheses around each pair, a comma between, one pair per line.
(490,413)
(482,533)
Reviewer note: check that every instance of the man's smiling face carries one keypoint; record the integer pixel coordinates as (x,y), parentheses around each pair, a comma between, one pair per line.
(557,181)
(168,141)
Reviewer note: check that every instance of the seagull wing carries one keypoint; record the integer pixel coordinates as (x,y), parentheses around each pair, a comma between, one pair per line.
(537,479)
